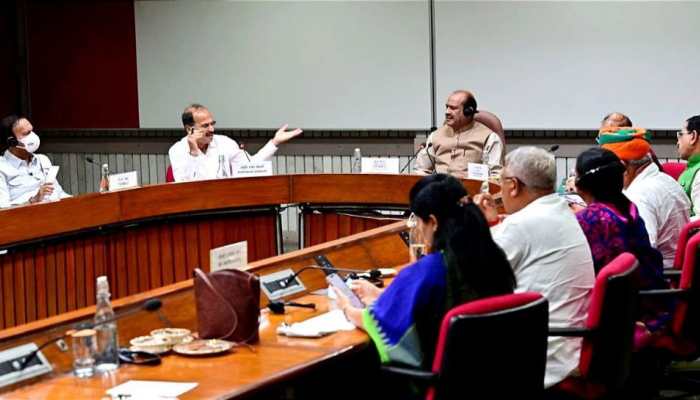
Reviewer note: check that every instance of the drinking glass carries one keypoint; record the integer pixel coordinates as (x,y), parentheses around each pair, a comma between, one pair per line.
(84,350)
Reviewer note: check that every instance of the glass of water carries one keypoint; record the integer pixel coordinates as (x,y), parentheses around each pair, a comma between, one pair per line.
(416,247)
(84,350)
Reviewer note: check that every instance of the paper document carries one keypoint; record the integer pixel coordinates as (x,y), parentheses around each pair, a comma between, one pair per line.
(321,325)
(150,389)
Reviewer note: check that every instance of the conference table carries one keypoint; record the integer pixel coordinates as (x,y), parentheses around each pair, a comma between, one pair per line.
(265,370)
(154,236)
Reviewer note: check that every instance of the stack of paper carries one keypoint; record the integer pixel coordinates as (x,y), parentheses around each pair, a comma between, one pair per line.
(321,325)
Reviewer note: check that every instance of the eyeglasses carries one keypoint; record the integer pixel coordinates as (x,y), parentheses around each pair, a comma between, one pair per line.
(207,125)
(512,178)
(681,133)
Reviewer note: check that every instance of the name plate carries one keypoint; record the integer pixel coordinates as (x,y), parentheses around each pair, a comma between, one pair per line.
(261,168)
(380,165)
(479,172)
(125,180)
(232,256)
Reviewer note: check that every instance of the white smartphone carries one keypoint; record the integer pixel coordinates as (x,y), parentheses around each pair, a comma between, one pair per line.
(337,282)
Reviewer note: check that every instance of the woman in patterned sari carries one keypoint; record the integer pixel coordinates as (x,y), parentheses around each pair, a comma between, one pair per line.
(612,226)
(463,263)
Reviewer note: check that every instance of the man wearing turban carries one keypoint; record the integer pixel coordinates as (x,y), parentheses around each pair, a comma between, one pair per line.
(661,202)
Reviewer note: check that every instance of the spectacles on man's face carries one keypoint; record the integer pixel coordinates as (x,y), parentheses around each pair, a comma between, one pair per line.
(681,133)
(207,125)
(512,178)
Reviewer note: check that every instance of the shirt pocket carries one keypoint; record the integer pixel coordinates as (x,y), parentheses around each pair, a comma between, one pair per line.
(22,180)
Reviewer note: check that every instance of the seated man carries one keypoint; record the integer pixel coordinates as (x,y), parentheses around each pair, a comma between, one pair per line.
(23,172)
(660,200)
(689,149)
(546,249)
(197,155)
(460,141)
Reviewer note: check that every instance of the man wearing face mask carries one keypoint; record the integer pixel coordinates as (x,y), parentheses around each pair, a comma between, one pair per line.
(22,172)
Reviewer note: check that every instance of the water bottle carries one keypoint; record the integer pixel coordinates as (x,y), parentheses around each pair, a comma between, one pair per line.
(356,166)
(107,358)
(104,180)
(222,172)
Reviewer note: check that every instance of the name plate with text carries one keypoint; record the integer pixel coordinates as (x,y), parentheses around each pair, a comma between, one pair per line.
(477,171)
(232,256)
(261,168)
(380,165)
(125,180)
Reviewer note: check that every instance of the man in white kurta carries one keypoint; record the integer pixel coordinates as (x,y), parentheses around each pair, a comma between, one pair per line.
(196,156)
(546,249)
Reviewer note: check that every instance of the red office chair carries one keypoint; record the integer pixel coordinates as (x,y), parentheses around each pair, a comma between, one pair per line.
(606,349)
(675,169)
(489,348)
(494,123)
(690,229)
(169,177)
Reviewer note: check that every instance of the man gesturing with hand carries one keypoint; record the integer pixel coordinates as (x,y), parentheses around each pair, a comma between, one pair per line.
(196,156)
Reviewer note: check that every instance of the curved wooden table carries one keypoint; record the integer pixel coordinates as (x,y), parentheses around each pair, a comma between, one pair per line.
(153,236)
(276,360)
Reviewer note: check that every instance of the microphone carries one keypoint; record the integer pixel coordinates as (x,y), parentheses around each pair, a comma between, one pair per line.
(432,159)
(91,161)
(149,305)
(277,307)
(245,153)
(372,274)
(554,148)
(421,147)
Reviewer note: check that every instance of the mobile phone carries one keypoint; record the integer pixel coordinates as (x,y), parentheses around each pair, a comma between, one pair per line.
(337,282)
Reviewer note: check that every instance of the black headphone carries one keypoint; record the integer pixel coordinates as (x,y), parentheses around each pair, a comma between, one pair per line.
(469,107)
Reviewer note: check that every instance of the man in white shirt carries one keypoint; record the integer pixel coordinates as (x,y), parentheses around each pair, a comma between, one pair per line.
(23,173)
(546,249)
(196,156)
(661,202)
(460,141)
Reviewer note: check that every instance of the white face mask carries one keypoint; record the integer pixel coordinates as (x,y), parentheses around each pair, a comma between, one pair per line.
(31,142)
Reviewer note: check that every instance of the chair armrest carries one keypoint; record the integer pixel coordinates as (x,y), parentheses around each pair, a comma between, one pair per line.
(412,373)
(672,273)
(681,293)
(570,332)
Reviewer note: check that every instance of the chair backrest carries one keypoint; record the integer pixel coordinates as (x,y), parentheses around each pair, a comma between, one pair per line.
(169,177)
(493,348)
(494,123)
(606,353)
(690,229)
(675,169)
(686,322)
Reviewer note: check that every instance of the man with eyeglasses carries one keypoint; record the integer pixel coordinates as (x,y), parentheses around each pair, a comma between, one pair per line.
(197,155)
(546,248)
(689,149)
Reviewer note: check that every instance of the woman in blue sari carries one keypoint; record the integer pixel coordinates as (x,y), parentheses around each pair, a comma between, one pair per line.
(463,263)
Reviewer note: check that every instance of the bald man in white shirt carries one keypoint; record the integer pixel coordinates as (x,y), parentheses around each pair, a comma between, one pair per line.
(196,156)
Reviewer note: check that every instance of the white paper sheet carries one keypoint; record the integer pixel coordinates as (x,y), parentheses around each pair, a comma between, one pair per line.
(135,389)
(321,325)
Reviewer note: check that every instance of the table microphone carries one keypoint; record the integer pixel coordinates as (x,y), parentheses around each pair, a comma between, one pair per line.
(148,305)
(432,159)
(245,153)
(554,148)
(421,147)
(353,274)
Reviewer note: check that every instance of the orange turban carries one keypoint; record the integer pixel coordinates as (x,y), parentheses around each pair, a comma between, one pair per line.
(626,143)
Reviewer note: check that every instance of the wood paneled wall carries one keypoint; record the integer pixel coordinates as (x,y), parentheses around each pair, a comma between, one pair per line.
(46,280)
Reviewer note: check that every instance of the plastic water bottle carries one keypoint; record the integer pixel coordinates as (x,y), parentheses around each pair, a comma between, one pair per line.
(104,180)
(356,166)
(222,172)
(107,358)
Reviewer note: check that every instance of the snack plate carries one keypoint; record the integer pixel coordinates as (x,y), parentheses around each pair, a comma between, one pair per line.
(203,347)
